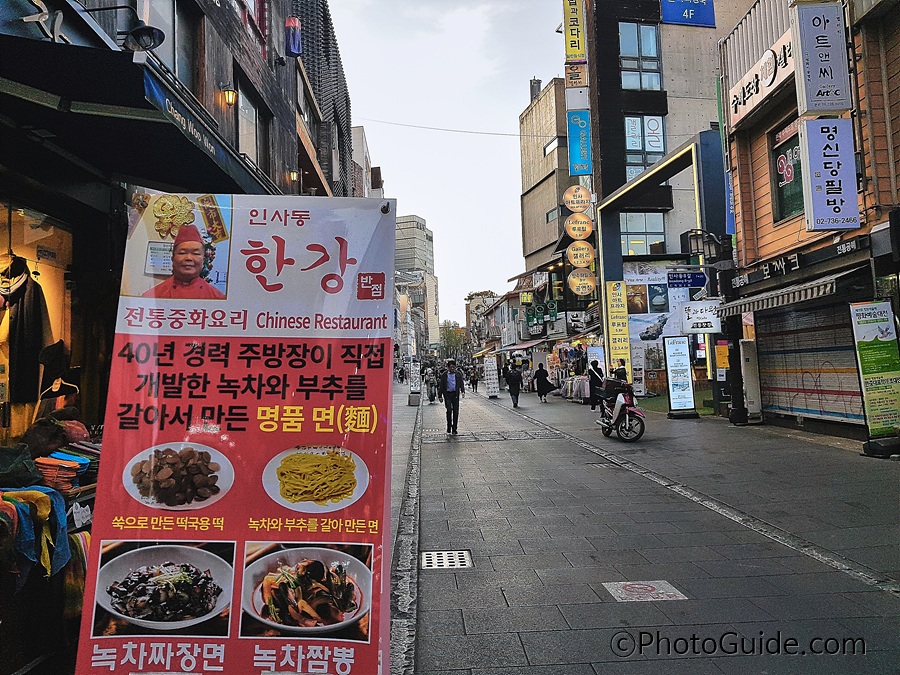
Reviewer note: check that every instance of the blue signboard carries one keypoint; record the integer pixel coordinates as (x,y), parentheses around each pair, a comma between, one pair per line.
(579,122)
(689,12)
(687,279)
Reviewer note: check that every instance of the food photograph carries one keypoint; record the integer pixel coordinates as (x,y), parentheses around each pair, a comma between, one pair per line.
(154,588)
(178,476)
(316,478)
(309,589)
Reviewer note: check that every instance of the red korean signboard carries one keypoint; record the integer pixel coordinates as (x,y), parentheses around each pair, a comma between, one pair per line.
(243,500)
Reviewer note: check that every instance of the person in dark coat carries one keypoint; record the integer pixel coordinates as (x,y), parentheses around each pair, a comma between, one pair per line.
(620,372)
(595,373)
(451,387)
(514,384)
(542,380)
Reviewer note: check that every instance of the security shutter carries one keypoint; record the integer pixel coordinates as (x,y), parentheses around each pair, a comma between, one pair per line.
(807,363)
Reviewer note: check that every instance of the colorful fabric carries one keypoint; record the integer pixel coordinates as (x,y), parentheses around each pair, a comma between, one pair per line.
(75,573)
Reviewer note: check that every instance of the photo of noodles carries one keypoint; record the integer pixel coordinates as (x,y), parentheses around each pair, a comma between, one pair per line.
(311,477)
(316,478)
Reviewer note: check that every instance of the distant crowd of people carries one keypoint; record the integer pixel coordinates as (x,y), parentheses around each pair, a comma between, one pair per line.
(450,379)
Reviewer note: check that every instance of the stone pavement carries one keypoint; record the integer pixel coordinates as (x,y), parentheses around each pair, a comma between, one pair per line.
(771,536)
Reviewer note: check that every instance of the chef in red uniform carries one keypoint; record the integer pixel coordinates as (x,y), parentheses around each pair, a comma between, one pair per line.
(187,262)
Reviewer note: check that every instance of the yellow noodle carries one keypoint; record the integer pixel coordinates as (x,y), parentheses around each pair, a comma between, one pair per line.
(312,477)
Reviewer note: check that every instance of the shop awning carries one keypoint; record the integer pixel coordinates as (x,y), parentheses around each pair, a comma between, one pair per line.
(121,113)
(483,352)
(809,290)
(524,345)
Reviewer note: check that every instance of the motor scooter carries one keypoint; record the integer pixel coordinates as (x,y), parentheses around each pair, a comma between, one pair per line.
(618,411)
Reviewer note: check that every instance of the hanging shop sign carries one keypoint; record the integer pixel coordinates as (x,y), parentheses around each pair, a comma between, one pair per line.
(526,297)
(829,187)
(573,31)
(582,281)
(700,317)
(577,198)
(617,324)
(579,127)
(878,360)
(823,77)
(576,75)
(580,254)
(579,226)
(773,68)
(678,374)
(689,12)
(687,279)
(249,429)
(538,279)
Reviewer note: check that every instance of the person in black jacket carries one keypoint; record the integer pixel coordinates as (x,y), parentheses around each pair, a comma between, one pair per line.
(514,384)
(595,373)
(451,388)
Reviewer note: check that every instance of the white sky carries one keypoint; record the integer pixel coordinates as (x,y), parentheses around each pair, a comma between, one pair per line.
(461,64)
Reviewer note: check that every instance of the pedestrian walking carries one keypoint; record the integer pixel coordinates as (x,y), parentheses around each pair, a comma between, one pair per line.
(473,380)
(451,388)
(514,384)
(401,374)
(542,381)
(595,375)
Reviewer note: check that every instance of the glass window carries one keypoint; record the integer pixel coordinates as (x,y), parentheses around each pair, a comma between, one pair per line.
(640,40)
(787,176)
(655,222)
(645,143)
(628,39)
(187,31)
(648,40)
(631,80)
(552,214)
(642,233)
(180,21)
(252,130)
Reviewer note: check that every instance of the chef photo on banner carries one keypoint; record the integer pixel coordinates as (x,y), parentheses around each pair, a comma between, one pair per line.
(177,248)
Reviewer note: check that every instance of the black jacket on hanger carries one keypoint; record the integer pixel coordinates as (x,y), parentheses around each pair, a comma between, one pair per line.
(27,312)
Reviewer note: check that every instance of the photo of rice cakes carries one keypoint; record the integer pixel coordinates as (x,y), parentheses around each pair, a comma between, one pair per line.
(316,478)
(178,476)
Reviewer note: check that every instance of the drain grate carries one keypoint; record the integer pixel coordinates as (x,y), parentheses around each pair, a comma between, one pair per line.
(446,560)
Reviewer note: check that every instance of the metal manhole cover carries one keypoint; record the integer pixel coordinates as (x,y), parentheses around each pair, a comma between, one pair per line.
(489,436)
(544,434)
(446,560)
(515,435)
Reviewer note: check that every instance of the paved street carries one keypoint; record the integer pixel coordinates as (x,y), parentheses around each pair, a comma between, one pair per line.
(777,541)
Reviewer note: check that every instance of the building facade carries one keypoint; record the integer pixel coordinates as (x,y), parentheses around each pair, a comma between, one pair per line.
(795,278)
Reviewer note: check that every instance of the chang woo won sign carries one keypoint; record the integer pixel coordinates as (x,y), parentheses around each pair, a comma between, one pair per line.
(247,442)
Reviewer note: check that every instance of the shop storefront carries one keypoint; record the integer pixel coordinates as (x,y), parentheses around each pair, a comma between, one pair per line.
(82,122)
(810,238)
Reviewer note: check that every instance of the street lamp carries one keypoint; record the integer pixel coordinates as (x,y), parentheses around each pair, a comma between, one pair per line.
(141,38)
(719,249)
(707,244)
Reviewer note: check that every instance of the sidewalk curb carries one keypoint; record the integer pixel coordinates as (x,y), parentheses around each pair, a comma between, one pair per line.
(842,564)
(405,564)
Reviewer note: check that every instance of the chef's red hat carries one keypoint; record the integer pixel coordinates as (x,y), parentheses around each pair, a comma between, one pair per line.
(188,233)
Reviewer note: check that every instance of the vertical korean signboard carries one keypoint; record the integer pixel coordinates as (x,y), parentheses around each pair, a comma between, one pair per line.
(241,516)
(830,199)
(820,43)
(573,31)
(878,359)
(617,324)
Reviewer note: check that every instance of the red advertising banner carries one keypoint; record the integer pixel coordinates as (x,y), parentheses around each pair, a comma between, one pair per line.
(243,505)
